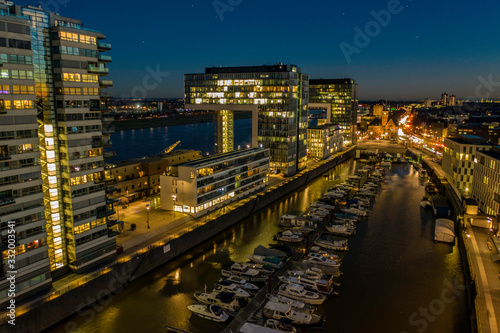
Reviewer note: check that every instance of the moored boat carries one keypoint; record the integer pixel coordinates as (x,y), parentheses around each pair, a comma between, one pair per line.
(210,312)
(298,292)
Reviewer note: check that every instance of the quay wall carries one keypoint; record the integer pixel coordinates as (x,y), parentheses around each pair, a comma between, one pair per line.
(91,297)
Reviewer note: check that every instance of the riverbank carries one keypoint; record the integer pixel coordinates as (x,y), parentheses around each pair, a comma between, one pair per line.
(172,120)
(88,298)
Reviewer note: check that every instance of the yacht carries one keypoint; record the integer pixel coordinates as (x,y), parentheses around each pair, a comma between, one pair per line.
(288,236)
(301,306)
(225,300)
(298,292)
(242,283)
(269,260)
(287,220)
(243,271)
(341,230)
(278,311)
(316,285)
(228,286)
(333,245)
(210,312)
(319,261)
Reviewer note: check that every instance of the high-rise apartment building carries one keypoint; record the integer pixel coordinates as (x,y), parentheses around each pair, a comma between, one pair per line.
(51,74)
(277,95)
(340,97)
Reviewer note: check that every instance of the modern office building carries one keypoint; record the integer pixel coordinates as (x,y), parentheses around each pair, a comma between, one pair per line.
(200,186)
(324,140)
(277,96)
(53,68)
(486,184)
(340,97)
(459,157)
(21,193)
(444,99)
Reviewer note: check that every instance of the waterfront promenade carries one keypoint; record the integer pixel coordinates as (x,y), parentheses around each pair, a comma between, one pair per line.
(484,271)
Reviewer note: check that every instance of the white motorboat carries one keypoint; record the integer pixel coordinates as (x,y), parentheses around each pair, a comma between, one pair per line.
(341,230)
(282,325)
(317,249)
(358,211)
(287,220)
(319,261)
(269,260)
(225,300)
(288,236)
(322,286)
(385,164)
(227,286)
(334,245)
(312,273)
(210,312)
(278,311)
(242,283)
(296,291)
(301,306)
(242,270)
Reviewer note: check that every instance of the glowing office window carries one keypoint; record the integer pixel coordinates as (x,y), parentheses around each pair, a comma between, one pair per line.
(55,217)
(49,142)
(52,180)
(48,128)
(54,205)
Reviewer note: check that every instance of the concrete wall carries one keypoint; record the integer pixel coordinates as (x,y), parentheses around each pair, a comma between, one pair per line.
(97,291)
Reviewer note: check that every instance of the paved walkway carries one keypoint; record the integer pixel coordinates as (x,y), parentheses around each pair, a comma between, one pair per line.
(485,272)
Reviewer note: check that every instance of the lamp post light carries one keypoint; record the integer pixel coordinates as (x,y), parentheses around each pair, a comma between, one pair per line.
(147,215)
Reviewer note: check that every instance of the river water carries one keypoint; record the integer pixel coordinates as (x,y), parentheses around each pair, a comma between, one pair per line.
(129,144)
(396,279)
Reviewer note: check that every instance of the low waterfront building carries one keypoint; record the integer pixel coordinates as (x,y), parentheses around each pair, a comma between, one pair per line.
(486,184)
(200,186)
(324,140)
(459,158)
(140,178)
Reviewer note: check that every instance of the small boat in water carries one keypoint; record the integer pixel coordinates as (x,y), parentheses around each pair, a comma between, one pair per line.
(333,245)
(318,286)
(341,230)
(210,312)
(298,292)
(282,311)
(242,270)
(242,283)
(288,236)
(227,286)
(269,260)
(425,204)
(301,306)
(225,300)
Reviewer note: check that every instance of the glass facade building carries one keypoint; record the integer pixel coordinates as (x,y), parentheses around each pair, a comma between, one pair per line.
(341,95)
(277,95)
(52,101)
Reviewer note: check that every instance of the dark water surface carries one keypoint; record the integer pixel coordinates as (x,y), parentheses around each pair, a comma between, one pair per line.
(396,279)
(136,143)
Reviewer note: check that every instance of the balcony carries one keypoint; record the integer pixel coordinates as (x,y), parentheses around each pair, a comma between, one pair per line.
(6,201)
(106,94)
(104,58)
(106,83)
(104,46)
(106,142)
(97,143)
(105,213)
(111,201)
(98,69)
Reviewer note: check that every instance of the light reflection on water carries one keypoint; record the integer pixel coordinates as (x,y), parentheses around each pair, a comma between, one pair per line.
(393,268)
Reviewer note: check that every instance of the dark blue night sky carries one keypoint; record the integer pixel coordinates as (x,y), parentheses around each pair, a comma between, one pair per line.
(427,48)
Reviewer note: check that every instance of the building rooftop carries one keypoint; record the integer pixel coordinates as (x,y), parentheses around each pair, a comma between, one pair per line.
(253,69)
(220,157)
(330,81)
(495,153)
(470,140)
(154,158)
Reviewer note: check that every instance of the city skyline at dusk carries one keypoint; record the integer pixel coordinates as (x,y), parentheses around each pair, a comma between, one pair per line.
(393,49)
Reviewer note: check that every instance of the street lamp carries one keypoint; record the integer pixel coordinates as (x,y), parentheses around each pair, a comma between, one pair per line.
(147,215)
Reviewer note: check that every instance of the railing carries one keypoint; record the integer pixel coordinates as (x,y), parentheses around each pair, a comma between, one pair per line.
(103,57)
(96,69)
(106,83)
(104,46)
